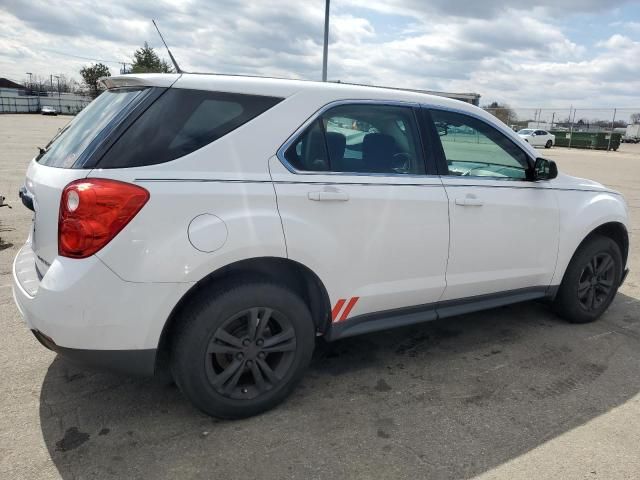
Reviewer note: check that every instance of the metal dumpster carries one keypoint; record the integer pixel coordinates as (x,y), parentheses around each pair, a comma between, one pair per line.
(597,141)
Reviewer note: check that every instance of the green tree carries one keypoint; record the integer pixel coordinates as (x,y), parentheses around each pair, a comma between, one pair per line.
(146,60)
(91,74)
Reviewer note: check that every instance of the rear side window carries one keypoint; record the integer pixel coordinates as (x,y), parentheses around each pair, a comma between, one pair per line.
(361,139)
(180,122)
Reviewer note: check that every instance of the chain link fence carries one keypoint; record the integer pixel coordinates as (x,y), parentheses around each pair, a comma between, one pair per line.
(601,128)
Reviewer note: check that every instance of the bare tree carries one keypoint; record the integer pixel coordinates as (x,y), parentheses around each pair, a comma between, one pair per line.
(635,118)
(503,112)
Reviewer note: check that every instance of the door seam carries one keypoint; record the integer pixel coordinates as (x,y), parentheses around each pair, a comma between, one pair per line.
(275,194)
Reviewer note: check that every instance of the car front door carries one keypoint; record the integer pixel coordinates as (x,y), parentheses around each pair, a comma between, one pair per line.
(503,226)
(359,209)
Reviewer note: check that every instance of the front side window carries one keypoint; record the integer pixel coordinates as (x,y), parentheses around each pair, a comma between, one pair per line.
(474,148)
(360,138)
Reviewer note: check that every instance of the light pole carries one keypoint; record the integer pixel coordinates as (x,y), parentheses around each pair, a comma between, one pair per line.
(325,50)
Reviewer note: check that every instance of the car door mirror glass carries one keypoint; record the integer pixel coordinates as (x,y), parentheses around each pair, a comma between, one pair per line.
(545,169)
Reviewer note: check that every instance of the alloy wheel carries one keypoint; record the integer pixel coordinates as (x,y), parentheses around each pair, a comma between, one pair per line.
(250,353)
(596,281)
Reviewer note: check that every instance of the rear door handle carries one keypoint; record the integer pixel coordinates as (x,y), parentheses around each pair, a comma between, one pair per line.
(469,201)
(328,196)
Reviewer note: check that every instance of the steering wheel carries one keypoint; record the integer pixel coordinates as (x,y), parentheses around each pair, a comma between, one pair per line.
(468,172)
(403,160)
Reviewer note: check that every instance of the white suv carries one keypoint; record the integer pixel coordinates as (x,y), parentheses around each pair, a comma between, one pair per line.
(215,225)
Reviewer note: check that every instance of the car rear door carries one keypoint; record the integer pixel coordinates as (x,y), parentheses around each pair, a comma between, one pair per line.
(360,210)
(504,227)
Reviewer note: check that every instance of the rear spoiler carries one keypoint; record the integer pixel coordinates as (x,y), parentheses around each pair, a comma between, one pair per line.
(164,80)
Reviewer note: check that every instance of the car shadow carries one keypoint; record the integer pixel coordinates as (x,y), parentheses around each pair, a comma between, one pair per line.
(446,399)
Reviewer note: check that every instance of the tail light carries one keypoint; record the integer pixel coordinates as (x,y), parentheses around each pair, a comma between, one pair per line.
(93,211)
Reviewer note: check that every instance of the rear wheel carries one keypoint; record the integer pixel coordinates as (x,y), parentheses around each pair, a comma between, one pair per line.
(241,351)
(591,281)
(548,144)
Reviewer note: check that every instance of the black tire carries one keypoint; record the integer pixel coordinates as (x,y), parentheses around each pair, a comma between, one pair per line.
(590,283)
(548,144)
(288,339)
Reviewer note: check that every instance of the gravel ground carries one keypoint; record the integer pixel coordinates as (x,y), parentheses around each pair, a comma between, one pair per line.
(508,393)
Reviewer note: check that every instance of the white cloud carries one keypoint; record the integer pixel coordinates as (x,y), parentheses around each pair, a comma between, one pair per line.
(615,42)
(518,53)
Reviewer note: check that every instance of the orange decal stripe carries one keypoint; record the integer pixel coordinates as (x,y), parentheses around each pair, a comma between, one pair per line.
(350,305)
(336,309)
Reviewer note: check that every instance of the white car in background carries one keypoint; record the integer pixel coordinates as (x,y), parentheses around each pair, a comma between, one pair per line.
(216,225)
(538,138)
(48,110)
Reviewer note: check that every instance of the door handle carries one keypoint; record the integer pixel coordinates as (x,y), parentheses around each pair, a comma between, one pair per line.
(328,196)
(469,201)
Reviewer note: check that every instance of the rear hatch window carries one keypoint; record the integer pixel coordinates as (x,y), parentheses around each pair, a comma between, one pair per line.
(68,145)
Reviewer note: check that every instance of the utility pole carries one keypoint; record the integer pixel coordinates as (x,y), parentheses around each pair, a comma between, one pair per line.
(571,126)
(51,81)
(613,120)
(325,51)
(59,102)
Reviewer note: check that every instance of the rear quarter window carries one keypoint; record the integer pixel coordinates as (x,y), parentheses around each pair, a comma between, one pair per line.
(180,122)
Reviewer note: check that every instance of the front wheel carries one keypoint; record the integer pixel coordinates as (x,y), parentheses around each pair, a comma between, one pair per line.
(242,350)
(548,144)
(591,281)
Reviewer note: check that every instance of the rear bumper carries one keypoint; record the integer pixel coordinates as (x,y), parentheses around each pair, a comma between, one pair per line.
(132,362)
(82,310)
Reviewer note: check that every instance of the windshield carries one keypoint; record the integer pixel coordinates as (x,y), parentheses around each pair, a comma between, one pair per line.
(526,131)
(65,148)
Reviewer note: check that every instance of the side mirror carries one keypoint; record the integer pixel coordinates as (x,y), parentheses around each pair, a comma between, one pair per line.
(544,169)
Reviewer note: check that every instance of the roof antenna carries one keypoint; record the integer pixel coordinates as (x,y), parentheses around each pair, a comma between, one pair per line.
(173,60)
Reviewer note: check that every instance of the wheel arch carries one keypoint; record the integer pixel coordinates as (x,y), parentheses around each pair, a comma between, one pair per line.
(615,230)
(290,273)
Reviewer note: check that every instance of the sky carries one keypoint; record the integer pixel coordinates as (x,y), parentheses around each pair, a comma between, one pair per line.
(536,53)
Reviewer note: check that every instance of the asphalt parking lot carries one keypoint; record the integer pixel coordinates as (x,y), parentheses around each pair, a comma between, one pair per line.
(507,393)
